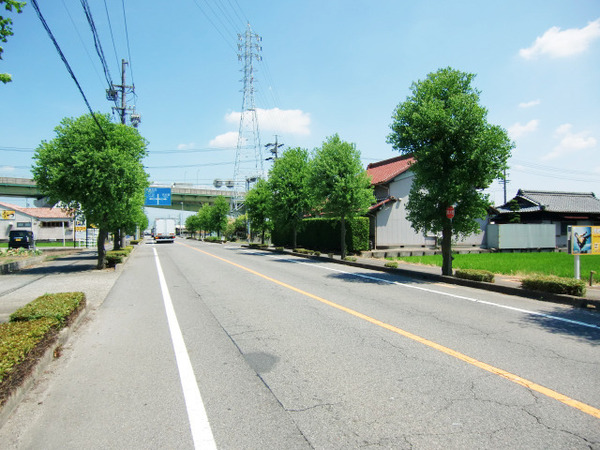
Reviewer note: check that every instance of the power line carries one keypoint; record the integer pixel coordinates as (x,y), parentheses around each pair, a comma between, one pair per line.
(112,36)
(97,44)
(128,49)
(64,59)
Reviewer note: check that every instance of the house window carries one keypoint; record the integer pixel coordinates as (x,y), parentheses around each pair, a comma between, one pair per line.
(23,224)
(54,224)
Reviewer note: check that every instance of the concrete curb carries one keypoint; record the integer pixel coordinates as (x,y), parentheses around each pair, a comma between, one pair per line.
(15,266)
(40,367)
(570,300)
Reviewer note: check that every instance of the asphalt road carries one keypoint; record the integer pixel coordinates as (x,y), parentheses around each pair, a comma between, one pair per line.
(242,349)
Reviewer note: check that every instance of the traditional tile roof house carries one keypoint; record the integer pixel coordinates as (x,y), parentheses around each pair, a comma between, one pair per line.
(392,180)
(46,223)
(555,207)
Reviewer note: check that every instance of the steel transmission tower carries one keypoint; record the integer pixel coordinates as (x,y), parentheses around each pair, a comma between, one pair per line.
(248,156)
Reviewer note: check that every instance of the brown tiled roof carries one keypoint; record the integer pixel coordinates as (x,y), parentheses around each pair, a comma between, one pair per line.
(385,171)
(41,213)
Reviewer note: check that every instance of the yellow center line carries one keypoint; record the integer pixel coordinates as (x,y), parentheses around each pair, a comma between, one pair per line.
(595,412)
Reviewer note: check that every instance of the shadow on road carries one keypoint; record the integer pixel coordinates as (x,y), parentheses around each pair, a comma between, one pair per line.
(81,262)
(577,331)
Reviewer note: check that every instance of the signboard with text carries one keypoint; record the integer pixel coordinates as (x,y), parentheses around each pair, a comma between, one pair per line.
(585,240)
(158,196)
(8,215)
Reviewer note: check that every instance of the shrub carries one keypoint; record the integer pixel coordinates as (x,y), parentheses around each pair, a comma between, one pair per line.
(556,285)
(17,339)
(55,306)
(317,253)
(475,275)
(135,241)
(112,259)
(213,239)
(350,258)
(391,264)
(279,249)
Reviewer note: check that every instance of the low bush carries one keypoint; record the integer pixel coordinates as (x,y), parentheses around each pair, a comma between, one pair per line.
(255,245)
(279,249)
(316,253)
(350,258)
(391,264)
(17,339)
(475,275)
(113,259)
(135,241)
(213,239)
(556,285)
(55,306)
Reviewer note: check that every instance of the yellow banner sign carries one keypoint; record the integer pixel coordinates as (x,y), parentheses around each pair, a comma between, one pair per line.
(8,215)
(585,240)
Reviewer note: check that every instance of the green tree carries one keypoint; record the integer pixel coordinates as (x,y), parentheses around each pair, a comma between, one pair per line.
(340,184)
(218,215)
(98,172)
(236,227)
(6,29)
(457,155)
(258,207)
(290,193)
(192,224)
(204,214)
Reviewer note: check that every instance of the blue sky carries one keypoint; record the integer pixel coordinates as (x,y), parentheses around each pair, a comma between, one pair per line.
(328,67)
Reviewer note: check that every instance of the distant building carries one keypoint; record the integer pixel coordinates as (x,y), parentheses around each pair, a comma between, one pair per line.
(47,224)
(551,207)
(392,180)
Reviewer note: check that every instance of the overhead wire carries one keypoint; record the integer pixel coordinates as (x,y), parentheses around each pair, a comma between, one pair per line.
(129,51)
(97,44)
(66,63)
(112,36)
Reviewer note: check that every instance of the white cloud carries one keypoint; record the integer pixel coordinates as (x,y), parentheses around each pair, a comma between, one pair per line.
(517,130)
(226,140)
(189,146)
(288,121)
(530,104)
(558,44)
(570,142)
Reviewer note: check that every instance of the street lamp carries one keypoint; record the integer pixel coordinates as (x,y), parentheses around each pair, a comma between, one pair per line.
(181,219)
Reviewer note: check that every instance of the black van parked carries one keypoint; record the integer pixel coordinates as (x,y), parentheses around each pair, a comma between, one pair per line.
(20,238)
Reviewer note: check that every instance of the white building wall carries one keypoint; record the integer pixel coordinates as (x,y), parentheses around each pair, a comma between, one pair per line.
(40,232)
(393,228)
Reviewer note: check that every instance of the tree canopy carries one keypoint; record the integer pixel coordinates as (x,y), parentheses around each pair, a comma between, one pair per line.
(288,182)
(340,184)
(95,171)
(457,154)
(258,207)
(6,29)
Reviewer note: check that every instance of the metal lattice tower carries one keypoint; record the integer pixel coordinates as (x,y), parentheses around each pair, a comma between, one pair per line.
(248,156)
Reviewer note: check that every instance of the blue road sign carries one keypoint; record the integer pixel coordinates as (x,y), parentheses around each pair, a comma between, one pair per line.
(158,196)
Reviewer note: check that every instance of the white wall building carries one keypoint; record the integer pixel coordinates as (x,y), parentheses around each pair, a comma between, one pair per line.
(47,224)
(392,180)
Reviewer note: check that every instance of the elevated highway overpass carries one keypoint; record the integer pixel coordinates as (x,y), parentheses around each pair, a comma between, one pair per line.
(192,197)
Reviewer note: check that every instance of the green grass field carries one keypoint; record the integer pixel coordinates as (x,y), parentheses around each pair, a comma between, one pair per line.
(559,264)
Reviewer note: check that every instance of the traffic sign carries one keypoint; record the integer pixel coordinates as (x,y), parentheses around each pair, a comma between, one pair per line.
(158,196)
(450,212)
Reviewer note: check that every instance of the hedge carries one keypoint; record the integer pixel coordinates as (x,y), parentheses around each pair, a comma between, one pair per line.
(554,284)
(324,234)
(55,306)
(475,275)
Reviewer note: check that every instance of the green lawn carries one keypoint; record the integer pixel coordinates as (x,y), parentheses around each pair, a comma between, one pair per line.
(560,264)
(68,244)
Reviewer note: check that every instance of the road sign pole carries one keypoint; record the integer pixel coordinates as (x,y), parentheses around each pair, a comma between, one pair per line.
(577,268)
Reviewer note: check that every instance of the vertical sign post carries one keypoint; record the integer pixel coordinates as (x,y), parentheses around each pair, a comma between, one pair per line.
(583,240)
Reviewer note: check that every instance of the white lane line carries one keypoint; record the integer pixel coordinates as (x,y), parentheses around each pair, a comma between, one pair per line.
(201,432)
(433,291)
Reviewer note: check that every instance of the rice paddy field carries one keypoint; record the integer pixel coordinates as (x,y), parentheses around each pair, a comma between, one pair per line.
(518,264)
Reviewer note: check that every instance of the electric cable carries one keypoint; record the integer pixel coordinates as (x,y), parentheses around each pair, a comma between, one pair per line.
(66,63)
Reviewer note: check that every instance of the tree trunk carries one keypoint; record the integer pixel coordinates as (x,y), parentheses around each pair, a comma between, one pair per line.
(294,235)
(101,252)
(447,249)
(262,238)
(343,233)
(117,240)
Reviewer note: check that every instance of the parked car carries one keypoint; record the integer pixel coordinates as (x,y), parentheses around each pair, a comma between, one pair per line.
(20,239)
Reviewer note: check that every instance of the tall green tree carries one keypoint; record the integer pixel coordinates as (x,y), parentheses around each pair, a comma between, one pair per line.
(219,212)
(192,224)
(98,172)
(457,155)
(258,207)
(340,184)
(6,29)
(290,193)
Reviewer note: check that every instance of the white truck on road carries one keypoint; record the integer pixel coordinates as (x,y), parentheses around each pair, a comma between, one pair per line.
(164,230)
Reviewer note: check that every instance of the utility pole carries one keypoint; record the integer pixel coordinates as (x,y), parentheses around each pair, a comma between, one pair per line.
(504,181)
(112,94)
(273,149)
(248,154)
